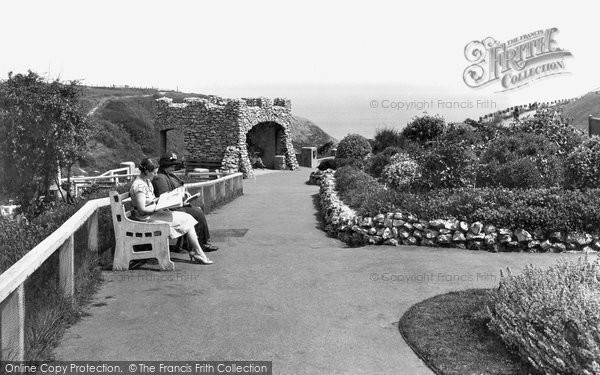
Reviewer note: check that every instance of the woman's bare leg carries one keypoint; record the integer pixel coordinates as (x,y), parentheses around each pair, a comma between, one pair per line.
(193,240)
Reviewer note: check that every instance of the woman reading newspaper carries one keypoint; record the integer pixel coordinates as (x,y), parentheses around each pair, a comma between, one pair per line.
(146,208)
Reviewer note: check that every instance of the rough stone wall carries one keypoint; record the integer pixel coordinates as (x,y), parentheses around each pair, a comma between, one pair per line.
(217,127)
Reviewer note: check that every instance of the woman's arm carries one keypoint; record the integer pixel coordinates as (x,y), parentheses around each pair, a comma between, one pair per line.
(139,201)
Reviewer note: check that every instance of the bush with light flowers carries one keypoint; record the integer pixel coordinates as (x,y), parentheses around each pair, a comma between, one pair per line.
(551,317)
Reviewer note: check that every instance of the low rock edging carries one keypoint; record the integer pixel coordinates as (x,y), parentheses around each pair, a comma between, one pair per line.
(402,228)
(316,177)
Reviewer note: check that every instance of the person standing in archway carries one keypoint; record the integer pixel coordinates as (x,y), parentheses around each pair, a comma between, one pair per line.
(166,181)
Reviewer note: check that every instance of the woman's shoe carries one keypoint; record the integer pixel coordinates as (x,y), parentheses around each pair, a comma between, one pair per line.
(207,247)
(195,257)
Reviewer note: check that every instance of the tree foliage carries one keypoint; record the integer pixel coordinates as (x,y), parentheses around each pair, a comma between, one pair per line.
(582,167)
(521,160)
(401,172)
(446,166)
(353,146)
(387,137)
(325,148)
(553,126)
(424,129)
(42,129)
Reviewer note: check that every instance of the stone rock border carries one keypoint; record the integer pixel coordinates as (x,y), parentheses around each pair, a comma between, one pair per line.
(402,228)
(315,177)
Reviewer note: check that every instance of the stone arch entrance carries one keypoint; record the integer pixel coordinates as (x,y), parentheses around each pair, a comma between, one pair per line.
(217,129)
(265,139)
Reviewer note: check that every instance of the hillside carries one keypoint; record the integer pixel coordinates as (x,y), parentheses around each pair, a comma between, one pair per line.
(580,109)
(575,111)
(124,120)
(306,134)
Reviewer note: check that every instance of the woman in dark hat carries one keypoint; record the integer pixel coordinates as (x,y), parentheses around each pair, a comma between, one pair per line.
(144,209)
(166,181)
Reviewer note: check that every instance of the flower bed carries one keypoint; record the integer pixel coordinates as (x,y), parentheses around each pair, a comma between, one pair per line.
(398,227)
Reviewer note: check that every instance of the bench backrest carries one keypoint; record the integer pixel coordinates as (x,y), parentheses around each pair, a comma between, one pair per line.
(202,163)
(117,208)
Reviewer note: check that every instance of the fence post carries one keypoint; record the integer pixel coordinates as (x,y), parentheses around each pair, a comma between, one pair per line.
(229,189)
(238,185)
(66,267)
(222,191)
(12,324)
(92,230)
(213,195)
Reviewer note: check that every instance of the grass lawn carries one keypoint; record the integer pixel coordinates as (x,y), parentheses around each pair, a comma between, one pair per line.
(449,332)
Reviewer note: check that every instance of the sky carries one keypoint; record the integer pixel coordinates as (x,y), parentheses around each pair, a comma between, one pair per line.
(289,48)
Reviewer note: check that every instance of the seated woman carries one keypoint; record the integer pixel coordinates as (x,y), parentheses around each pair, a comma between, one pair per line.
(256,161)
(144,209)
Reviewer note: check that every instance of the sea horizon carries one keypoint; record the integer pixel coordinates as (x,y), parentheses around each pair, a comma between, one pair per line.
(362,109)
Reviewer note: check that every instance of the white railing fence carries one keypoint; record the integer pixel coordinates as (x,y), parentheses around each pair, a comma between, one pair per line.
(12,291)
(113,177)
(120,176)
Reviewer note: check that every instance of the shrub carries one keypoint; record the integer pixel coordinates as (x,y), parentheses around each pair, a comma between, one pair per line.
(325,148)
(424,129)
(551,317)
(362,192)
(41,129)
(446,165)
(472,123)
(353,146)
(401,172)
(349,178)
(521,160)
(518,145)
(549,123)
(327,164)
(338,163)
(387,137)
(392,150)
(514,174)
(379,161)
(582,167)
(463,134)
(16,239)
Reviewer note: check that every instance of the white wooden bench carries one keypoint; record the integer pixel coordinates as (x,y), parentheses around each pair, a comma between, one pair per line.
(137,240)
(203,167)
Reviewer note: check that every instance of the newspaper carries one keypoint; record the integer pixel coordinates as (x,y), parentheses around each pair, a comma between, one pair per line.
(174,199)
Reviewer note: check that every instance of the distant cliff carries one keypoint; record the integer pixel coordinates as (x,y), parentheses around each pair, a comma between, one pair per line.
(306,134)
